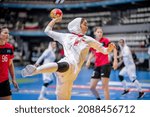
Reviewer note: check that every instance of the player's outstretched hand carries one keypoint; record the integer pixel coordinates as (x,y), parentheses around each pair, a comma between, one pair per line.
(111,46)
(15,85)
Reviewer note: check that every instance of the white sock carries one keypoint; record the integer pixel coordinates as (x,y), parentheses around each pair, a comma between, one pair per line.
(47,68)
(138,86)
(124,84)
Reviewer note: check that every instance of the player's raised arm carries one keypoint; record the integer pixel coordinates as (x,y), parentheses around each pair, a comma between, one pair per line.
(98,46)
(48,30)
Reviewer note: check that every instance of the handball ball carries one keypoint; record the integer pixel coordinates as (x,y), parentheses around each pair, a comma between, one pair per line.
(55,13)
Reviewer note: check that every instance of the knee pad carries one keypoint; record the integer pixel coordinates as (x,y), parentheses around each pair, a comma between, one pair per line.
(121,78)
(46,84)
(134,79)
(63,67)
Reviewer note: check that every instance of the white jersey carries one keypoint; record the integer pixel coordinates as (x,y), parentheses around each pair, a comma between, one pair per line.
(75,48)
(127,56)
(48,56)
(129,68)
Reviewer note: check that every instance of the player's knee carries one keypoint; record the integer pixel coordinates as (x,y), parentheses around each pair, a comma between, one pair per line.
(92,87)
(46,84)
(121,78)
(105,87)
(63,67)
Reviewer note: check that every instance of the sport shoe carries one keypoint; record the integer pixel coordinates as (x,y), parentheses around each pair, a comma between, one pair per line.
(98,98)
(125,92)
(28,70)
(141,94)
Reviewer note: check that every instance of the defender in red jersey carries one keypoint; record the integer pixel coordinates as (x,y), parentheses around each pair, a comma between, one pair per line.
(102,65)
(6,65)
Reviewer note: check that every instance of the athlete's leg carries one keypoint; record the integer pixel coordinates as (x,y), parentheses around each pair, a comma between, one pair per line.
(105,73)
(105,84)
(96,76)
(47,79)
(6,98)
(65,83)
(93,84)
(30,70)
(132,76)
(121,78)
(123,81)
(63,89)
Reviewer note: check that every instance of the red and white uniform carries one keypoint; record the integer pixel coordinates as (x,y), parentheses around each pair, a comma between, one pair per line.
(76,48)
(6,53)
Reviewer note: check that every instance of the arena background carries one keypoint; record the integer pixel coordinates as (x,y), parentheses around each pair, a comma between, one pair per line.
(26,19)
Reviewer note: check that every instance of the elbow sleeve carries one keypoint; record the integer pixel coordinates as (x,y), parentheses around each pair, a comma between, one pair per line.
(47,29)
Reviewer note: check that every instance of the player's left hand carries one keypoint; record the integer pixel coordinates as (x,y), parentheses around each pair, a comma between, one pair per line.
(15,84)
(111,46)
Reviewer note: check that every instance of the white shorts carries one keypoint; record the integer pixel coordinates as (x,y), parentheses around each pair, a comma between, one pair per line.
(129,70)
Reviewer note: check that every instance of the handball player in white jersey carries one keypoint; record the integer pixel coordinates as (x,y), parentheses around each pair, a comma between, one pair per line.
(76,47)
(129,69)
(47,57)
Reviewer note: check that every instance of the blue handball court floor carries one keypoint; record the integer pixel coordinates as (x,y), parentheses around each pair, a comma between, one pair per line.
(30,87)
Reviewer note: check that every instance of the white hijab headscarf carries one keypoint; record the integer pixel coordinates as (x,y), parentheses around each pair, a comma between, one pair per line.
(124,43)
(74,26)
(50,46)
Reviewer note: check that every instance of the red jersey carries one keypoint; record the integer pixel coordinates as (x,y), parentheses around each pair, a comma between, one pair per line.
(6,53)
(101,59)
